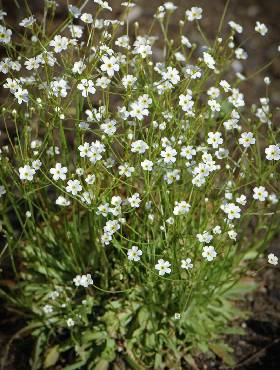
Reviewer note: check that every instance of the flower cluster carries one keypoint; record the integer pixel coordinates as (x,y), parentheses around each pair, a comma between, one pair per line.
(147,168)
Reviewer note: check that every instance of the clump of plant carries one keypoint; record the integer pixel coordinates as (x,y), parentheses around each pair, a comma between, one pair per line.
(135,193)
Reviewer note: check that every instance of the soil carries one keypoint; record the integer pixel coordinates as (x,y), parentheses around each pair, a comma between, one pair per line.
(259,348)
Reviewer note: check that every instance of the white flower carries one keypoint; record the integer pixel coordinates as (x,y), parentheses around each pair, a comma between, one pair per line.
(103,82)
(267,80)
(273,198)
(187,152)
(217,230)
(193,71)
(96,150)
(235,26)
(59,87)
(225,85)
(170,6)
(134,200)
(172,176)
(241,54)
(86,18)
(186,264)
(261,28)
(128,81)
(48,58)
(241,200)
(145,100)
(36,164)
(105,239)
(231,210)
(70,323)
(110,65)
(205,237)
(247,139)
(272,259)
(83,125)
(103,4)
(209,60)
(116,201)
(186,102)
(61,201)
(126,170)
(58,172)
(73,187)
(26,172)
(134,253)
(32,63)
(232,234)
(90,179)
(181,208)
(172,75)
(170,221)
(21,95)
(87,197)
(163,267)
(194,13)
(215,139)
(214,105)
(147,165)
(209,252)
(185,41)
(237,98)
(78,67)
(74,11)
(273,153)
(48,309)
(2,15)
(87,87)
(27,22)
(84,150)
(76,31)
(2,190)
(142,46)
(123,41)
(111,227)
(198,180)
(109,127)
(103,209)
(83,280)
(5,35)
(59,43)
(168,155)
(260,193)
(213,92)
(139,146)
(138,110)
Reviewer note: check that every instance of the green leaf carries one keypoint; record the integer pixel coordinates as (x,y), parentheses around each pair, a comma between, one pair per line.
(190,360)
(203,347)
(223,351)
(77,365)
(133,363)
(52,356)
(244,286)
(158,361)
(37,357)
(109,353)
(236,330)
(94,335)
(102,365)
